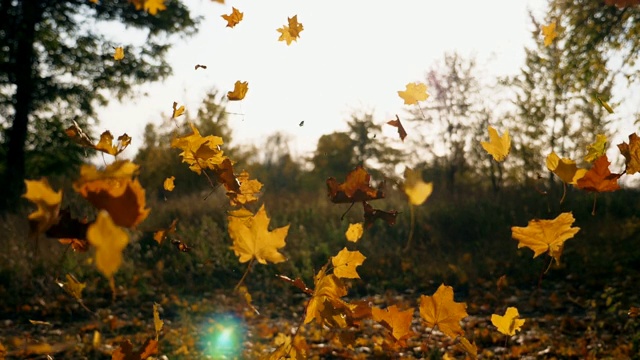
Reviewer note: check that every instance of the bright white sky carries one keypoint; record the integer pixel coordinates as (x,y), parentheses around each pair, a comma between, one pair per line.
(352,55)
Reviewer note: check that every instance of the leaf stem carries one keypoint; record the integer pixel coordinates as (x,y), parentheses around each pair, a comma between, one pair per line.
(345,213)
(413,225)
(245,274)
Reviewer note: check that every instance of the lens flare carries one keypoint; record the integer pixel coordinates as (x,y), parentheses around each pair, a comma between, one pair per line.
(222,337)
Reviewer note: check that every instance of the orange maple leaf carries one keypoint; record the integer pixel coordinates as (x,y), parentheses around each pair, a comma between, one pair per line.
(234,18)
(599,178)
(253,240)
(292,32)
(396,123)
(355,188)
(394,320)
(440,310)
(546,235)
(631,152)
(239,91)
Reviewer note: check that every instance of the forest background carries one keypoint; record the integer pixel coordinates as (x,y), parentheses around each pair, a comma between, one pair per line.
(461,235)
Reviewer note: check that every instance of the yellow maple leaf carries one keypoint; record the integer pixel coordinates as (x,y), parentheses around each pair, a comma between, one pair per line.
(549,33)
(498,146)
(565,168)
(508,324)
(354,232)
(253,240)
(396,321)
(239,91)
(414,92)
(415,188)
(249,190)
(466,346)
(291,32)
(234,18)
(118,53)
(198,151)
(440,310)
(546,235)
(153,6)
(48,202)
(106,144)
(157,323)
(325,306)
(345,263)
(73,287)
(161,234)
(604,104)
(109,241)
(168,183)
(597,149)
(177,111)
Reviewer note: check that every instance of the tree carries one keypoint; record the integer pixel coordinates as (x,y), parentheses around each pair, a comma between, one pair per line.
(56,66)
(334,155)
(553,113)
(370,149)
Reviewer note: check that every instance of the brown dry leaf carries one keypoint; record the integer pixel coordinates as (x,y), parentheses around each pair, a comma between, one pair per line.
(345,263)
(355,188)
(249,190)
(48,202)
(240,89)
(440,310)
(394,320)
(291,32)
(125,351)
(546,235)
(631,153)
(599,178)
(371,215)
(396,123)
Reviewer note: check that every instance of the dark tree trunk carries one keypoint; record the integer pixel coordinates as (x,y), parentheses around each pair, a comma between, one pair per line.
(23,71)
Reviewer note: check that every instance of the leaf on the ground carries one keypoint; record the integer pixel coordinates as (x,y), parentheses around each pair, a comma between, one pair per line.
(354,232)
(355,188)
(345,263)
(240,89)
(440,310)
(118,53)
(631,153)
(234,18)
(396,123)
(125,350)
(415,188)
(414,92)
(177,111)
(396,321)
(39,322)
(508,324)
(288,348)
(371,215)
(597,149)
(161,234)
(109,241)
(291,32)
(549,32)
(546,235)
(73,287)
(48,202)
(565,168)
(253,240)
(157,323)
(168,183)
(599,178)
(498,146)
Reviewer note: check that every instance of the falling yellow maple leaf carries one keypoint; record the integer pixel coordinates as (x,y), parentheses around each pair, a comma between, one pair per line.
(354,232)
(325,306)
(249,190)
(291,32)
(73,287)
(565,168)
(168,183)
(597,149)
(198,151)
(239,91)
(109,241)
(396,321)
(415,91)
(119,53)
(546,235)
(48,202)
(440,310)
(153,6)
(415,188)
(345,263)
(234,18)
(253,240)
(508,324)
(177,111)
(549,33)
(604,104)
(106,144)
(498,146)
